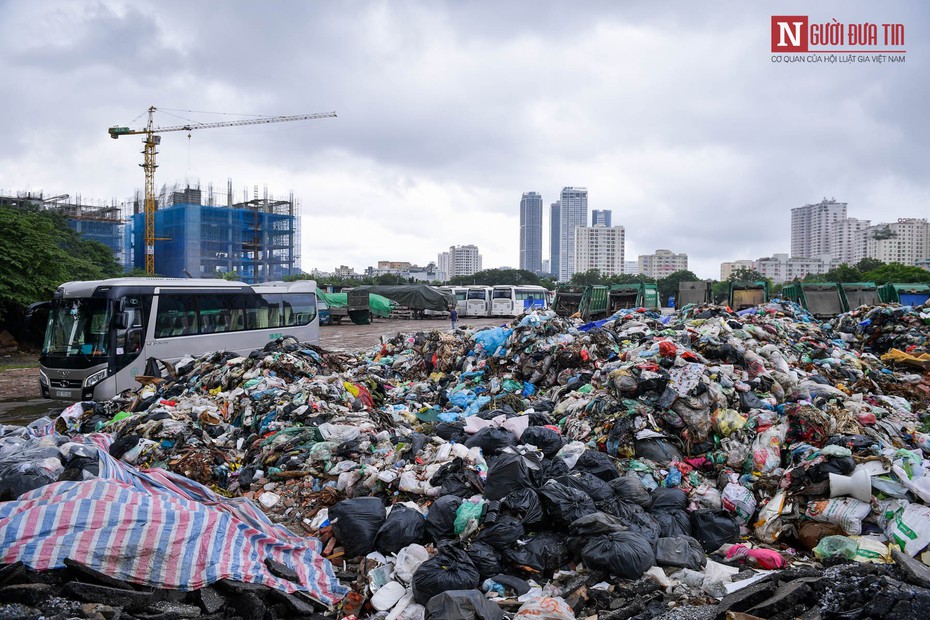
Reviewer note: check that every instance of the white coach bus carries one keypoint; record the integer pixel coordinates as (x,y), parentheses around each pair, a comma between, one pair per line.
(100,333)
(515,300)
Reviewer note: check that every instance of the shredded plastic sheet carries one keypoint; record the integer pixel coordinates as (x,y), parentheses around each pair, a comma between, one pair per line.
(160,529)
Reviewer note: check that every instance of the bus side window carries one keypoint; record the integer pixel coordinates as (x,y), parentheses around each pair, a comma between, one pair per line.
(177,315)
(299,308)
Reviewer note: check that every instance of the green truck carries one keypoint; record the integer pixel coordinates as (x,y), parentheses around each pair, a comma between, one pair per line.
(905,294)
(693,293)
(625,296)
(748,294)
(822,299)
(588,302)
(857,294)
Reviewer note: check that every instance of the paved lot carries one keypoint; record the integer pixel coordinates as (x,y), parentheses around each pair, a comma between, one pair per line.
(350,337)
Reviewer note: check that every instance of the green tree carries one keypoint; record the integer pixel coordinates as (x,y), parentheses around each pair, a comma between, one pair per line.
(587,278)
(40,252)
(669,284)
(745,274)
(629,278)
(868,264)
(842,273)
(896,272)
(494,277)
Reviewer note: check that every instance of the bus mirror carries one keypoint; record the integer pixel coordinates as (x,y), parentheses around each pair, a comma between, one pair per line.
(121,321)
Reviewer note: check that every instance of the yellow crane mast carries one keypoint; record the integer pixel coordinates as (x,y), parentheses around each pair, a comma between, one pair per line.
(151,140)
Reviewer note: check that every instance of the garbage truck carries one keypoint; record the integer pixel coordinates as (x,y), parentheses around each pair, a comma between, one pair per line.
(588,302)
(822,299)
(905,294)
(857,294)
(639,295)
(748,294)
(693,293)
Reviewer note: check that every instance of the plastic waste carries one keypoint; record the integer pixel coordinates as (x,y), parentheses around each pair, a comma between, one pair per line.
(545,608)
(449,569)
(356,523)
(462,605)
(404,526)
(624,554)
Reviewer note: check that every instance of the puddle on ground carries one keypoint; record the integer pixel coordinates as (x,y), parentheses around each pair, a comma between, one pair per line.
(22,411)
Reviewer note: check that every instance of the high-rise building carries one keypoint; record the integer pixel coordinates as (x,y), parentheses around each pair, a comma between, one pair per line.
(573,213)
(631,267)
(906,241)
(531,232)
(601,248)
(600,217)
(662,263)
(460,260)
(812,228)
(555,217)
(847,242)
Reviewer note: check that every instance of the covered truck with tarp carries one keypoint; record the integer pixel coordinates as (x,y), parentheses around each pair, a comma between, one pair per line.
(822,299)
(359,306)
(413,296)
(588,302)
(626,296)
(748,294)
(693,293)
(857,294)
(908,294)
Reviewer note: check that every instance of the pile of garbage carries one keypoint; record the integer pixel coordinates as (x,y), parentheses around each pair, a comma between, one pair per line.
(760,462)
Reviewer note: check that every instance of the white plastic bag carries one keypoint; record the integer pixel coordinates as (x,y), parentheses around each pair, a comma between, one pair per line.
(546,608)
(847,512)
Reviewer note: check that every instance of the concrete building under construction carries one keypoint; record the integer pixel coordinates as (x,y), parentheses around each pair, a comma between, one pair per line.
(200,233)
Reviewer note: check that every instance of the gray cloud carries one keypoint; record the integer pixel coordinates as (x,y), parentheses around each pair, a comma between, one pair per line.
(672,115)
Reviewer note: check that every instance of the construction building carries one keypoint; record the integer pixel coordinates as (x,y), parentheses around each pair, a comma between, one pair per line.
(197,236)
(97,222)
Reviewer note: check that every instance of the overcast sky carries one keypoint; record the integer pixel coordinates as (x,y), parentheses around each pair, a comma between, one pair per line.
(671,114)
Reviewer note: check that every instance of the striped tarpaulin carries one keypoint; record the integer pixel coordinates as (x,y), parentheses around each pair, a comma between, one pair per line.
(146,535)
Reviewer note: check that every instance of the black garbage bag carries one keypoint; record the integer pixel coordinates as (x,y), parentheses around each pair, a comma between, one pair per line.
(356,523)
(596,524)
(462,605)
(518,586)
(595,488)
(683,551)
(597,463)
(657,449)
(503,533)
(485,558)
(713,528)
(641,522)
(539,555)
(451,431)
(454,478)
(669,498)
(624,554)
(508,472)
(820,472)
(748,401)
(672,522)
(565,504)
(525,504)
(553,468)
(547,440)
(404,526)
(491,440)
(449,569)
(440,520)
(630,489)
(668,508)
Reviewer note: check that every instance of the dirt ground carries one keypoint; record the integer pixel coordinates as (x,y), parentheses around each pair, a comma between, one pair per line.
(23,383)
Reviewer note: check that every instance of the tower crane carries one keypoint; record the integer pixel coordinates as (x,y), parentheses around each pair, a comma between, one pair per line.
(151,140)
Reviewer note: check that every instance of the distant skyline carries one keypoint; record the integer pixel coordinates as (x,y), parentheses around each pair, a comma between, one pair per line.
(673,115)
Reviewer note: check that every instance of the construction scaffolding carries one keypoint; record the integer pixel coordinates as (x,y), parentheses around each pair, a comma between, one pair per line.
(257,238)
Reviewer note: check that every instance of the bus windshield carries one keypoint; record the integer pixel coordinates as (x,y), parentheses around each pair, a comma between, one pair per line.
(78,328)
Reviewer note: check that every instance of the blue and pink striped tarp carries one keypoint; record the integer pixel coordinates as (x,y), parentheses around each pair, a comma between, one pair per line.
(157,528)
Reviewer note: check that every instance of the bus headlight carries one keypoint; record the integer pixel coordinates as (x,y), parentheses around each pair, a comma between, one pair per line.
(95,378)
(43,379)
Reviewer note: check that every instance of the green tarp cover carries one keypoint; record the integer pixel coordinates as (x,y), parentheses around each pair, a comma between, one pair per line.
(380,306)
(414,296)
